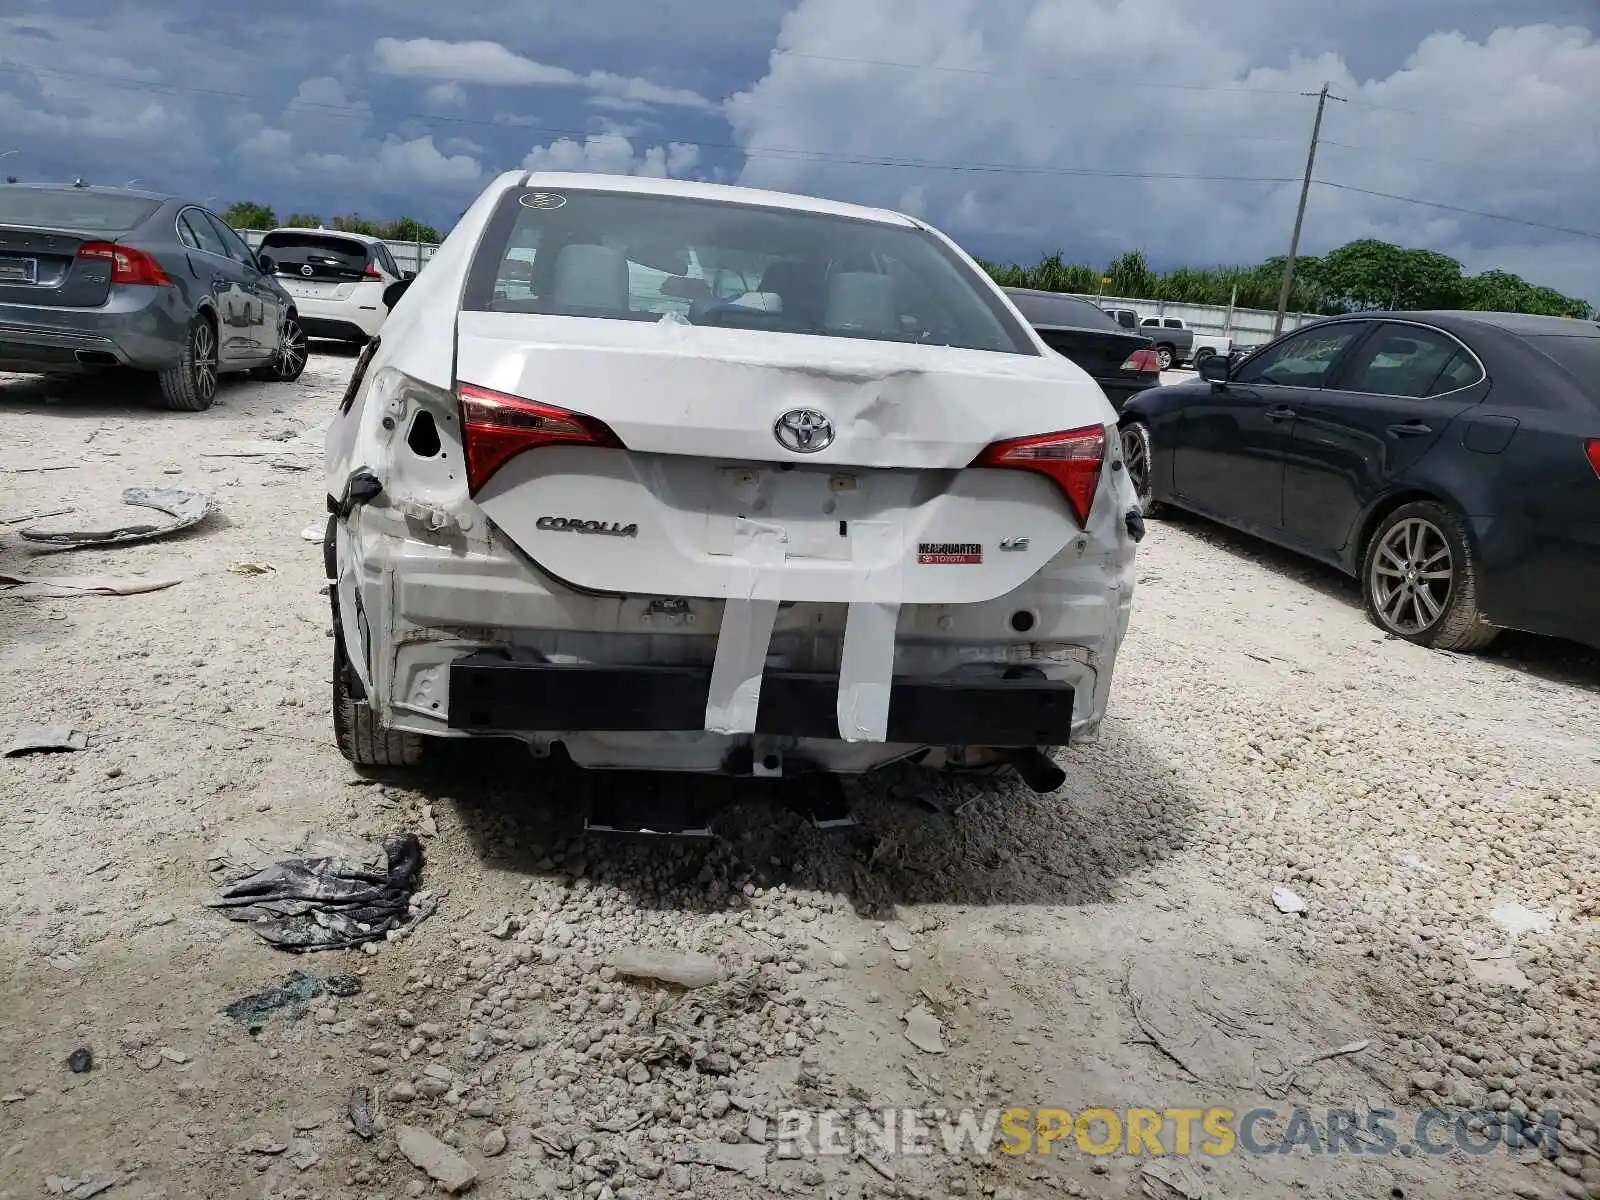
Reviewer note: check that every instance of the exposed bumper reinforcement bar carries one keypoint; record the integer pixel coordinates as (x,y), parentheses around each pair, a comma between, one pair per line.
(489,693)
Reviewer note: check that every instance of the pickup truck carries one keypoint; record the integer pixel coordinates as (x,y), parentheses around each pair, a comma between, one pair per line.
(1175,342)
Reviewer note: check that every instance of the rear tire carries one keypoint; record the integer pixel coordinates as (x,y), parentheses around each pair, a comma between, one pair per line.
(356,730)
(1201,355)
(1138,459)
(1166,357)
(1419,578)
(191,386)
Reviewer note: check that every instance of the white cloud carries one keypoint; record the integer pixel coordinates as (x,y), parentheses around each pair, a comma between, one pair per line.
(613,154)
(446,95)
(492,63)
(1045,88)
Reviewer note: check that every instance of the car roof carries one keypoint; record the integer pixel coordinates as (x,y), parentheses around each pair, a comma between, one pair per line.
(1459,320)
(726,193)
(344,233)
(93,190)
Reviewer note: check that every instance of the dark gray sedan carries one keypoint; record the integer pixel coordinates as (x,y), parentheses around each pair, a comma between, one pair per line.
(92,278)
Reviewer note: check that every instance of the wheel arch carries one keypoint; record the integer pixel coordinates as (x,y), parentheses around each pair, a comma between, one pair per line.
(1381,508)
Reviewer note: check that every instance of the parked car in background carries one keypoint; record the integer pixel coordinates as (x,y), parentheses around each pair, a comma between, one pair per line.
(1449,460)
(336,278)
(94,277)
(852,514)
(1176,344)
(1121,362)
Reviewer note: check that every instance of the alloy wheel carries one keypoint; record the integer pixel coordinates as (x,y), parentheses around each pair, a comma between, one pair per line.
(204,359)
(291,349)
(1412,575)
(1136,458)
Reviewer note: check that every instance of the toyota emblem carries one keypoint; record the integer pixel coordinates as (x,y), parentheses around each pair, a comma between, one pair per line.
(803,430)
(308,269)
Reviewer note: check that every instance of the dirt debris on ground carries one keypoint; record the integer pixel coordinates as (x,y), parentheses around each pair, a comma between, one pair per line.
(1115,945)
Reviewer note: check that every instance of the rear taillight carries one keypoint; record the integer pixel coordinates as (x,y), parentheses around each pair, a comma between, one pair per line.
(127,264)
(1072,460)
(372,272)
(1142,360)
(496,428)
(1592,448)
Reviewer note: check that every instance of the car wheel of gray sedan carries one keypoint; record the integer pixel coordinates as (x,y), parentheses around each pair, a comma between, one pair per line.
(191,386)
(290,360)
(1420,579)
(356,730)
(1138,460)
(1164,357)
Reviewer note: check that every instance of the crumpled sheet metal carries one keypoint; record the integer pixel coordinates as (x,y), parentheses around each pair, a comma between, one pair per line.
(327,903)
(185,508)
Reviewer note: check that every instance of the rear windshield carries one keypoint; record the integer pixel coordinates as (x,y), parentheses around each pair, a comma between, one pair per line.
(1069,311)
(707,262)
(1579,355)
(74,208)
(327,255)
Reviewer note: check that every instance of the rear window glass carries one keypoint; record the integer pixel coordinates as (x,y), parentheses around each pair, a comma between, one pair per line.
(73,208)
(652,258)
(1061,310)
(327,255)
(1580,356)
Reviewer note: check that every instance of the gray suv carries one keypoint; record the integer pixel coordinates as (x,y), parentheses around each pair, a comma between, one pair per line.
(95,277)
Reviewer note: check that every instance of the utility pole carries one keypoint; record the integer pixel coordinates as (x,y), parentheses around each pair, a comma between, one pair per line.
(1300,213)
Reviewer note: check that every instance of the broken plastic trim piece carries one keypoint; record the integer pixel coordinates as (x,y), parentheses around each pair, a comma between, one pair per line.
(361,488)
(185,507)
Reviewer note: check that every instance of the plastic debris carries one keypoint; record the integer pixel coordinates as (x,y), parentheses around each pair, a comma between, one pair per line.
(327,903)
(359,1110)
(924,1031)
(1288,901)
(185,508)
(46,739)
(312,533)
(296,992)
(679,968)
(55,587)
(1517,918)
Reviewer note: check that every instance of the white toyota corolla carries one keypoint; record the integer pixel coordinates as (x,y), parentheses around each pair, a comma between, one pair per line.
(676,476)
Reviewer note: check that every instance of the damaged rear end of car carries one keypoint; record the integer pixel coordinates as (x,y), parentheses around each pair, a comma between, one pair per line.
(626,507)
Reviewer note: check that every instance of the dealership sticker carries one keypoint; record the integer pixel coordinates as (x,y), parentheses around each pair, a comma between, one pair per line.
(949,554)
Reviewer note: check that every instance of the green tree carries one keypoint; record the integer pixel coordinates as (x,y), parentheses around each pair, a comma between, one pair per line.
(408,229)
(354,223)
(303,221)
(247,214)
(1131,275)
(1374,274)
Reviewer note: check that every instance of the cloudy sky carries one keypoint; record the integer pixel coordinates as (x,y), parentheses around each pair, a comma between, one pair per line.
(1020,126)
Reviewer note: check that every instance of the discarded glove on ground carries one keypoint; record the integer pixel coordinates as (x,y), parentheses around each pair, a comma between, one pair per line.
(327,903)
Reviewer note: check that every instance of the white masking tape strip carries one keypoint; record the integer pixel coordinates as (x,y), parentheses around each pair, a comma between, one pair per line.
(866,668)
(746,632)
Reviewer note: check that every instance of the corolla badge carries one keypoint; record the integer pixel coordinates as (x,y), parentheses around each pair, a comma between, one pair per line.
(803,430)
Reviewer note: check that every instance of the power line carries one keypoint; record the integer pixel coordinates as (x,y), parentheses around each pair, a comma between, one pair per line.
(1470,212)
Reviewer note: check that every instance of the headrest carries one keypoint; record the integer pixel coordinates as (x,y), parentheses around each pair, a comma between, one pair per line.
(589,276)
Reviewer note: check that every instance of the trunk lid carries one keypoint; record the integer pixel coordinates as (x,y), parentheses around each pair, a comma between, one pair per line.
(1101,352)
(705,501)
(42,267)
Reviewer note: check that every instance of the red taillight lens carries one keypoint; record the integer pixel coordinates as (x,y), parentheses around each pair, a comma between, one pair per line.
(1592,448)
(127,264)
(372,272)
(1072,460)
(496,428)
(1142,360)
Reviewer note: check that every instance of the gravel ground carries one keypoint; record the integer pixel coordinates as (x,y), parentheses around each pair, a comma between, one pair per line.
(1113,945)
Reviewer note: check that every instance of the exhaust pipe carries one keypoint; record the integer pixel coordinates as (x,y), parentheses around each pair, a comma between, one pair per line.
(1038,770)
(96,358)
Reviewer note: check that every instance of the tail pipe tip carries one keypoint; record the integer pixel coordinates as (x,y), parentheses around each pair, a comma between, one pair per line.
(1038,770)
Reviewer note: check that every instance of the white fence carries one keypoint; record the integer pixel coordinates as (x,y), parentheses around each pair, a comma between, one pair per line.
(1247,326)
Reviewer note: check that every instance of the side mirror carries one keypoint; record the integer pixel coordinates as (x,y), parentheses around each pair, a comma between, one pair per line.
(392,293)
(267,263)
(408,275)
(1214,369)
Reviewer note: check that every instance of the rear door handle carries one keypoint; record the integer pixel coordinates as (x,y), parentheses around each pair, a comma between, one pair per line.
(1279,414)
(1410,429)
